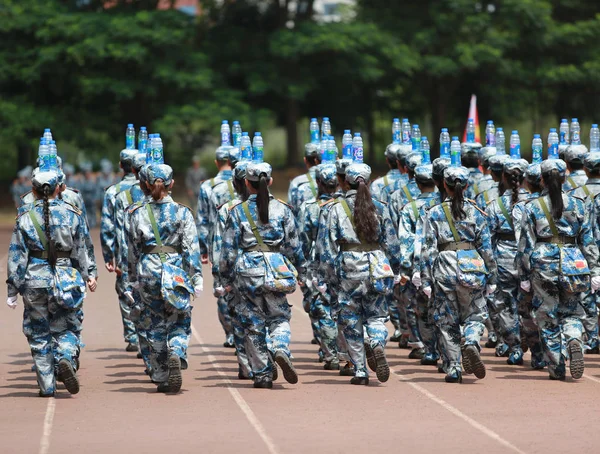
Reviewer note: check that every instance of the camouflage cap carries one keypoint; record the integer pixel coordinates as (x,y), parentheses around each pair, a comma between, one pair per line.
(496,163)
(533,174)
(327,174)
(592,161)
(234,155)
(256,169)
(413,160)
(562,149)
(239,172)
(222,153)
(61,177)
(424,173)
(438,167)
(139,161)
(311,150)
(485,154)
(576,154)
(554,164)
(143,173)
(354,172)
(341,165)
(470,148)
(160,172)
(391,151)
(516,164)
(402,152)
(453,175)
(127,155)
(59,162)
(40,179)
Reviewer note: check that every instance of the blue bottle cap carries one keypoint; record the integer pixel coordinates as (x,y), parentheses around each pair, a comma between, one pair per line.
(415,126)
(235,122)
(444,129)
(470,119)
(515,131)
(142,128)
(47,130)
(537,136)
(454,137)
(423,139)
(257,134)
(552,129)
(396,120)
(313,119)
(347,131)
(564,120)
(405,120)
(490,122)
(130,125)
(244,133)
(594,125)
(499,129)
(325,118)
(357,134)
(574,119)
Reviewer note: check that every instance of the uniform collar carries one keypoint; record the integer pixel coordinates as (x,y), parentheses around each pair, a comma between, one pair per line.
(129,177)
(225,173)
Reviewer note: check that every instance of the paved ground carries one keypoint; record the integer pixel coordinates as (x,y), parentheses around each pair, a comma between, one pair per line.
(513,410)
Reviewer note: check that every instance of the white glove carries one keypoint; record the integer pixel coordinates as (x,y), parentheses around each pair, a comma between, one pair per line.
(490,289)
(11,302)
(427,291)
(416,280)
(129,296)
(526,286)
(198,290)
(220,290)
(595,284)
(322,288)
(397,279)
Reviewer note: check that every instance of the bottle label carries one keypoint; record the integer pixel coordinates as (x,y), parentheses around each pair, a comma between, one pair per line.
(470,137)
(537,155)
(553,151)
(130,142)
(455,158)
(576,139)
(515,151)
(358,154)
(490,139)
(225,139)
(314,136)
(142,145)
(157,156)
(258,154)
(405,137)
(347,152)
(444,149)
(247,153)
(44,162)
(237,139)
(426,157)
(563,138)
(396,137)
(416,144)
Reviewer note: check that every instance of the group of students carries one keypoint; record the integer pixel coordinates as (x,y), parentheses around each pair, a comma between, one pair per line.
(445,249)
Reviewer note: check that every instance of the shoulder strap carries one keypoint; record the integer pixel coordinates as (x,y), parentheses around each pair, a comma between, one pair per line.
(230,187)
(476,188)
(129,196)
(348,212)
(386,181)
(548,216)
(413,204)
(118,188)
(407,192)
(311,183)
(38,229)
(505,212)
(253,226)
(450,221)
(586,190)
(486,196)
(163,258)
(572,182)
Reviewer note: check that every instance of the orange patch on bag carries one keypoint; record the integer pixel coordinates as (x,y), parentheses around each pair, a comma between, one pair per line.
(477,262)
(386,267)
(179,279)
(580,264)
(283,269)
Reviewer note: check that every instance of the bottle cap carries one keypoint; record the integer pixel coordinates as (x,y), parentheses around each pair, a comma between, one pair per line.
(405,120)
(454,137)
(325,118)
(313,119)
(235,122)
(130,125)
(357,134)
(244,133)
(470,119)
(499,130)
(574,120)
(564,120)
(424,138)
(415,126)
(396,120)
(347,131)
(515,131)
(257,134)
(444,129)
(490,122)
(47,130)
(552,129)
(594,125)
(142,128)
(536,136)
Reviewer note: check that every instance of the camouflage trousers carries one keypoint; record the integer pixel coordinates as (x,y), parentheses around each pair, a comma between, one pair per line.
(129,330)
(362,309)
(308,296)
(139,315)
(590,322)
(320,312)
(559,316)
(224,316)
(530,332)
(455,306)
(91,212)
(504,308)
(427,329)
(264,317)
(239,334)
(405,301)
(53,333)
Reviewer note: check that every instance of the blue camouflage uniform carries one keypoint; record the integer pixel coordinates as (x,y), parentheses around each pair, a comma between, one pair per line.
(51,322)
(364,272)
(558,310)
(302,188)
(575,154)
(168,322)
(203,215)
(243,266)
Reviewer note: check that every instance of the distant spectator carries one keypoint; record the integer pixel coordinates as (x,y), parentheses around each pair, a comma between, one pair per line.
(195,176)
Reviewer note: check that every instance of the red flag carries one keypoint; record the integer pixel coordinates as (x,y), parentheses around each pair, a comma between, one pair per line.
(475,116)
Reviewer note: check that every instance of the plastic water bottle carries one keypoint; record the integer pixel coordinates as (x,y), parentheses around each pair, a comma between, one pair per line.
(357,148)
(237,134)
(347,144)
(325,128)
(44,155)
(500,141)
(258,148)
(405,131)
(470,131)
(455,152)
(47,135)
(130,137)
(490,134)
(575,132)
(553,144)
(52,153)
(594,139)
(515,145)
(225,133)
(445,143)
(142,140)
(536,147)
(149,149)
(314,131)
(396,131)
(246,147)
(564,132)
(425,151)
(331,150)
(416,138)
(323,147)
(157,150)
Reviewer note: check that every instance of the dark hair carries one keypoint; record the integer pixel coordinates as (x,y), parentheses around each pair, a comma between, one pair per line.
(458,199)
(470,160)
(312,160)
(46,192)
(514,178)
(392,162)
(553,181)
(576,165)
(262,198)
(158,190)
(127,167)
(439,182)
(498,175)
(240,188)
(365,213)
(325,188)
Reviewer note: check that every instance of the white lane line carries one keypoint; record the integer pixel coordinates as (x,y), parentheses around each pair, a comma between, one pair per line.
(455,411)
(239,400)
(589,377)
(48,420)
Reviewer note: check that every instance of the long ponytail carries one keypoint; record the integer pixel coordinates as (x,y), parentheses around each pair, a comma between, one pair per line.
(241,188)
(553,181)
(514,178)
(46,193)
(365,214)
(262,197)
(458,199)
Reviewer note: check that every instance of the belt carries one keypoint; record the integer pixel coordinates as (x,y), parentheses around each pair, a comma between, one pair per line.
(161,250)
(263,248)
(456,246)
(506,236)
(559,239)
(356,247)
(44,254)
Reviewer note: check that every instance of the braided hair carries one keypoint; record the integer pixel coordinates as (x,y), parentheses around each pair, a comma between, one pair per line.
(514,179)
